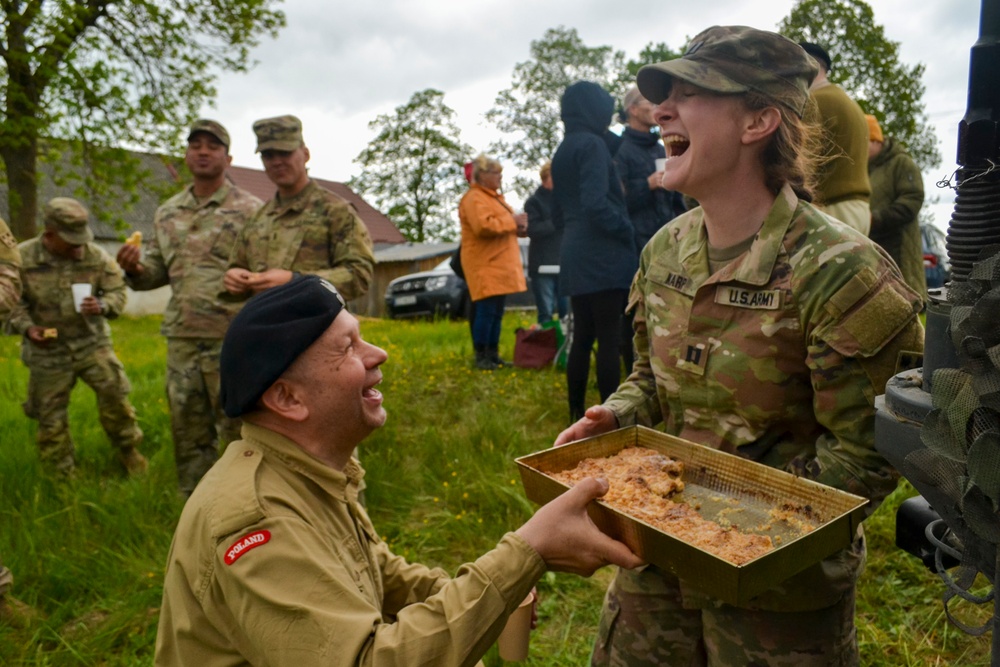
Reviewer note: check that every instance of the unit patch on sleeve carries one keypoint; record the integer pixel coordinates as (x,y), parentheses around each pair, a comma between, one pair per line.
(245,544)
(738,297)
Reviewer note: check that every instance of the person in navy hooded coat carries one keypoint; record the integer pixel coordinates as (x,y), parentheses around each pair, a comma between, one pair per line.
(598,257)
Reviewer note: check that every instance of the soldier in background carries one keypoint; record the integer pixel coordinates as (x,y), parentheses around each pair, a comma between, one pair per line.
(12,611)
(10,271)
(304,229)
(193,235)
(62,344)
(842,187)
(897,195)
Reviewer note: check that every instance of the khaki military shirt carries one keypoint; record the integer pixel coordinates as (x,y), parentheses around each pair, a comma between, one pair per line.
(275,563)
(190,250)
(47,301)
(313,232)
(10,274)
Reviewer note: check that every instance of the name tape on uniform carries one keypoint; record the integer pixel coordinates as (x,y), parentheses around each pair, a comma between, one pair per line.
(748,298)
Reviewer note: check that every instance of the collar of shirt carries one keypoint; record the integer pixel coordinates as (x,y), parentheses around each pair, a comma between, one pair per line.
(343,485)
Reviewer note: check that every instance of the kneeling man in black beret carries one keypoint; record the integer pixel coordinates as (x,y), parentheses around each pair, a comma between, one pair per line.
(274,562)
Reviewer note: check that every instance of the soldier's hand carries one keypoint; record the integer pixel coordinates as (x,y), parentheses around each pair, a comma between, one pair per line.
(128,258)
(268,279)
(568,541)
(37,336)
(596,420)
(655,180)
(236,281)
(91,306)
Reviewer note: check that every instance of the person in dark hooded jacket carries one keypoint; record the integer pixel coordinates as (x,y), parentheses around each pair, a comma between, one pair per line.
(598,257)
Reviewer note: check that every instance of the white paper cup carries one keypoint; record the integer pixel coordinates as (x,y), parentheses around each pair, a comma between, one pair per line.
(80,292)
(661,162)
(513,641)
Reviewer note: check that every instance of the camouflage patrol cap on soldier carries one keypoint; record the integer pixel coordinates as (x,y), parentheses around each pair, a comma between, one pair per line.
(283,133)
(212,127)
(68,218)
(736,59)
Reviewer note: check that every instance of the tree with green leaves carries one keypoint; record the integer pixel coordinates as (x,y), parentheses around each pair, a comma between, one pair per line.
(657,52)
(81,80)
(866,65)
(528,111)
(412,169)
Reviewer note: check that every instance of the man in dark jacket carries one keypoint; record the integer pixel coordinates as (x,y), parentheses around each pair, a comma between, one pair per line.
(543,257)
(598,256)
(650,206)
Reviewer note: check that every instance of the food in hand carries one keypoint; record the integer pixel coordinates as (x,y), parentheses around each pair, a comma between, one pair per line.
(135,239)
(50,333)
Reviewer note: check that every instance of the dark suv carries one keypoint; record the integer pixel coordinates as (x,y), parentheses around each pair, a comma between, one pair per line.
(435,292)
(439,292)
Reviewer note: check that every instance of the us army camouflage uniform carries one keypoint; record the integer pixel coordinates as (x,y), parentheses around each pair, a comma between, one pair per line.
(82,350)
(189,250)
(778,358)
(313,232)
(10,294)
(10,276)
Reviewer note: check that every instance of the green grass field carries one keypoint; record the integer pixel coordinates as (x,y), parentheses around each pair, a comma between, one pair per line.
(442,489)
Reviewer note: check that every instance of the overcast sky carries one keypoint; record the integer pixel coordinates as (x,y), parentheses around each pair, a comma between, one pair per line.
(337,65)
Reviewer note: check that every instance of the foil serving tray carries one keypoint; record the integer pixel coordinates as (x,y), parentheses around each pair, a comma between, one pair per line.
(723,488)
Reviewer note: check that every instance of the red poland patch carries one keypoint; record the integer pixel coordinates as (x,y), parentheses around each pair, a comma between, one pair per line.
(245,544)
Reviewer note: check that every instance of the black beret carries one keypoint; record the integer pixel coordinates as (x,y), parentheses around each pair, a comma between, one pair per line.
(271,331)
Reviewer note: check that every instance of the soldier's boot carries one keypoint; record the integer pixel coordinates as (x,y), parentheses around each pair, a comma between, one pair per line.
(15,613)
(494,354)
(135,463)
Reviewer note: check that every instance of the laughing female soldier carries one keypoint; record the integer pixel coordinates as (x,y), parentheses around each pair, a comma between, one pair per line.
(763,328)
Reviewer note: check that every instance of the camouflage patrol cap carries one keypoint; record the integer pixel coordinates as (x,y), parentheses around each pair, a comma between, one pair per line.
(212,127)
(736,59)
(283,133)
(68,218)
